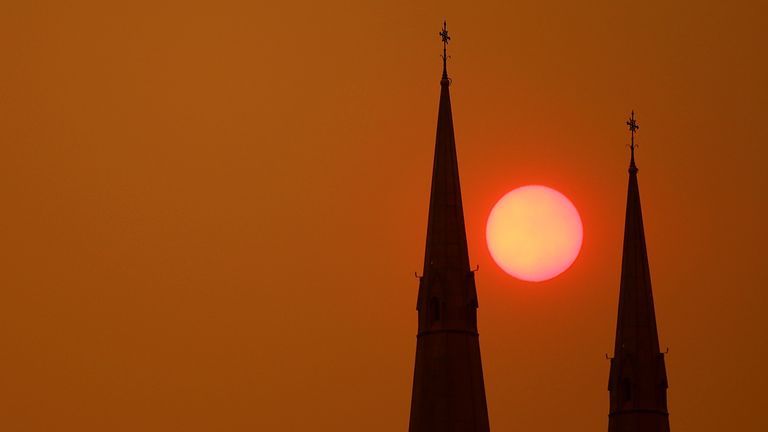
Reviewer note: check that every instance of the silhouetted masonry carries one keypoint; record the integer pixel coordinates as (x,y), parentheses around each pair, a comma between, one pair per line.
(638,377)
(448,390)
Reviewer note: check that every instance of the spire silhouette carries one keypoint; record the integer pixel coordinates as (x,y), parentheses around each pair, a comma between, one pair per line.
(448,389)
(638,378)
(446,237)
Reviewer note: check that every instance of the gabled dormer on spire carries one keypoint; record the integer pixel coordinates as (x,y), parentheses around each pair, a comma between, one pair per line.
(638,379)
(448,390)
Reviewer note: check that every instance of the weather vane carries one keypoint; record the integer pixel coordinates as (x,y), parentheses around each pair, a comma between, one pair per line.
(444,36)
(633,127)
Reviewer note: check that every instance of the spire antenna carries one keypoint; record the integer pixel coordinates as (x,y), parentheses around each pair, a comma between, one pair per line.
(633,127)
(444,36)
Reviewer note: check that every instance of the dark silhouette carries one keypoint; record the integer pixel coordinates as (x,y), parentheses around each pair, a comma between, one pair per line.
(638,377)
(448,390)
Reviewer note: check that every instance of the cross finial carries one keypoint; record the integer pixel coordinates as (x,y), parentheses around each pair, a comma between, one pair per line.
(444,36)
(633,127)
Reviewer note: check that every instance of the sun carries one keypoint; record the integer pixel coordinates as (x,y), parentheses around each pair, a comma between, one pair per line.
(534,233)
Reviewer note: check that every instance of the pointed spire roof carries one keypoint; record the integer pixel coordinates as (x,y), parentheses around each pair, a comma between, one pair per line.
(446,236)
(636,327)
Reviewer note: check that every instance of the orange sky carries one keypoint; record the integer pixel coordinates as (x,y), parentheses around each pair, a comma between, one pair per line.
(213,212)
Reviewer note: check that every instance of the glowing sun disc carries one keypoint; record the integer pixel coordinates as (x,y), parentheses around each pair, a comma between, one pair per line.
(534,233)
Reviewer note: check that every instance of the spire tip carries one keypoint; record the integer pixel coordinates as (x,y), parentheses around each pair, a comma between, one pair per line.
(445,38)
(633,127)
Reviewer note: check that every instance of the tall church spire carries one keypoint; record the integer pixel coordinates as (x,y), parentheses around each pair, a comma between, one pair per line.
(448,390)
(638,378)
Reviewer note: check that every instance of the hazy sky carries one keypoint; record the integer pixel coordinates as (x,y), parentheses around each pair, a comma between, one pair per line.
(212,212)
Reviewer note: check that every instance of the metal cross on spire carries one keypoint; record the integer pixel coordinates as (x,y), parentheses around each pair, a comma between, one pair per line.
(444,36)
(633,127)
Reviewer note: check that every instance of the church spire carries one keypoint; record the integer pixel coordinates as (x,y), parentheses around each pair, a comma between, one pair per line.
(638,379)
(448,390)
